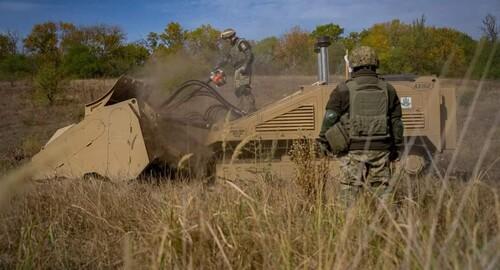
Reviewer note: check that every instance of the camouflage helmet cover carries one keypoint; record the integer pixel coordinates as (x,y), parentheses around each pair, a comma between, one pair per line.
(363,56)
(228,33)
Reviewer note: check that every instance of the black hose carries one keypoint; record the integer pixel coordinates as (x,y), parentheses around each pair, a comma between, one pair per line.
(217,96)
(211,93)
(175,94)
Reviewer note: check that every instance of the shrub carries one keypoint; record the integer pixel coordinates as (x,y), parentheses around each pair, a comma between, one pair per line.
(15,67)
(48,83)
(311,174)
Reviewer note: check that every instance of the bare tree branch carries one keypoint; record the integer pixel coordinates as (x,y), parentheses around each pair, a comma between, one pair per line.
(490,27)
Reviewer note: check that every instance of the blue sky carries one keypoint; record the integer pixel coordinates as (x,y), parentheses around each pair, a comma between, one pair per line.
(252,19)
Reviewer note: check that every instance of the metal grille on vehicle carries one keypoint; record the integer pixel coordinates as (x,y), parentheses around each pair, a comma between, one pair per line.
(414,121)
(301,118)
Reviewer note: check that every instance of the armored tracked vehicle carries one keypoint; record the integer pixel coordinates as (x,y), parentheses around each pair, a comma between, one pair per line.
(122,135)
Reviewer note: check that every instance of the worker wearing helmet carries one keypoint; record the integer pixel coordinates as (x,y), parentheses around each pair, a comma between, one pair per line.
(362,125)
(241,59)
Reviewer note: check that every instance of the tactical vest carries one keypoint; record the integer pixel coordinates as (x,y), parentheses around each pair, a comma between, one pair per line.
(238,58)
(368,106)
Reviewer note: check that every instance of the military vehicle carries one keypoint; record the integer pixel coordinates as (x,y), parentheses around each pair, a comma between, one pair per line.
(123,135)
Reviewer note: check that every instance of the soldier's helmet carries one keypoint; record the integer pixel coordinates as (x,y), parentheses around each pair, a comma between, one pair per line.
(363,56)
(228,33)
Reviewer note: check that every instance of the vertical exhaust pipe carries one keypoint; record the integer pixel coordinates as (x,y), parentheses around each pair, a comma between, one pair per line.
(321,49)
(320,70)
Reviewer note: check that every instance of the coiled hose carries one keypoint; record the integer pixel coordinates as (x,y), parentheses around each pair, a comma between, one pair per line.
(204,89)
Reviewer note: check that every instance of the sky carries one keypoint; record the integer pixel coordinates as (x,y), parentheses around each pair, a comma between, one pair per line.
(252,19)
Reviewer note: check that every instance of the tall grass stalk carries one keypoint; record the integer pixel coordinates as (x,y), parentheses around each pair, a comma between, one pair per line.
(269,224)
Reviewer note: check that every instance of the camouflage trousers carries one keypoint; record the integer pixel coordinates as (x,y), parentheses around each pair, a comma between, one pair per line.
(243,91)
(365,171)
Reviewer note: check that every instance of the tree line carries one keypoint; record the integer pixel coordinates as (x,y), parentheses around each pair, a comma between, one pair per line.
(54,50)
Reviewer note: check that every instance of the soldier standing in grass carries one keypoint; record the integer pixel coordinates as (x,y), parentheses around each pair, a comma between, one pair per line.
(363,126)
(241,58)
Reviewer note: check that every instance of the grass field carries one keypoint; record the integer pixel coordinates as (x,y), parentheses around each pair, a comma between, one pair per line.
(263,224)
(67,224)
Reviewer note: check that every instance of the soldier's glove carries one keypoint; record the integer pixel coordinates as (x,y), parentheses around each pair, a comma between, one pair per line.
(324,146)
(395,155)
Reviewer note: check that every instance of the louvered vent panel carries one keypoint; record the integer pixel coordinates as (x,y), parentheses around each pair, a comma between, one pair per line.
(414,121)
(301,118)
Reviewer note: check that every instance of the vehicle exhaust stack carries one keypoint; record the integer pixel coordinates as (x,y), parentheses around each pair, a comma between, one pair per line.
(321,48)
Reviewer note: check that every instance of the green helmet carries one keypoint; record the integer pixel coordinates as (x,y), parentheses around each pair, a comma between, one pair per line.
(363,56)
(228,33)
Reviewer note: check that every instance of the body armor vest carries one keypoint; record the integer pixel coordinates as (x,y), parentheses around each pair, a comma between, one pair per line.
(238,57)
(368,106)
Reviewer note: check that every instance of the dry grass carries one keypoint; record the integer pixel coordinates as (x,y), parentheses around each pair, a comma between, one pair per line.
(290,223)
(25,125)
(66,224)
(311,173)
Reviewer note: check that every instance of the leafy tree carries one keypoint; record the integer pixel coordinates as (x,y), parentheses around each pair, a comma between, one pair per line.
(96,50)
(173,36)
(126,58)
(69,35)
(81,62)
(295,50)
(87,51)
(417,48)
(48,83)
(487,50)
(334,31)
(351,41)
(43,42)
(266,54)
(446,55)
(101,50)
(202,39)
(153,41)
(377,37)
(8,44)
(103,39)
(136,53)
(172,39)
(14,67)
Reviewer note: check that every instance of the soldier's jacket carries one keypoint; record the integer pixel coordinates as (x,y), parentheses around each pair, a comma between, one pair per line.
(240,57)
(339,103)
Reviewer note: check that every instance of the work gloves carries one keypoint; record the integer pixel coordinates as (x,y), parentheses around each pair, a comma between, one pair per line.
(395,154)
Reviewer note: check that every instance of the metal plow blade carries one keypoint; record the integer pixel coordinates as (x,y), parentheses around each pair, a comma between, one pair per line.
(109,141)
(123,135)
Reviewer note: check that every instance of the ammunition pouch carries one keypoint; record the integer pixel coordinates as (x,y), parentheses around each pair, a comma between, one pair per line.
(338,138)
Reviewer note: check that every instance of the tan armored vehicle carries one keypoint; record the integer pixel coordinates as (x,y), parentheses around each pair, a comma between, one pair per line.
(428,116)
(122,135)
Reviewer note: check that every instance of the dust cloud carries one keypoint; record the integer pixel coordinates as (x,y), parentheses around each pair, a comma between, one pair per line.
(182,116)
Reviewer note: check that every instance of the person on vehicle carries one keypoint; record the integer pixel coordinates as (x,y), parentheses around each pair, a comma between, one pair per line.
(240,57)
